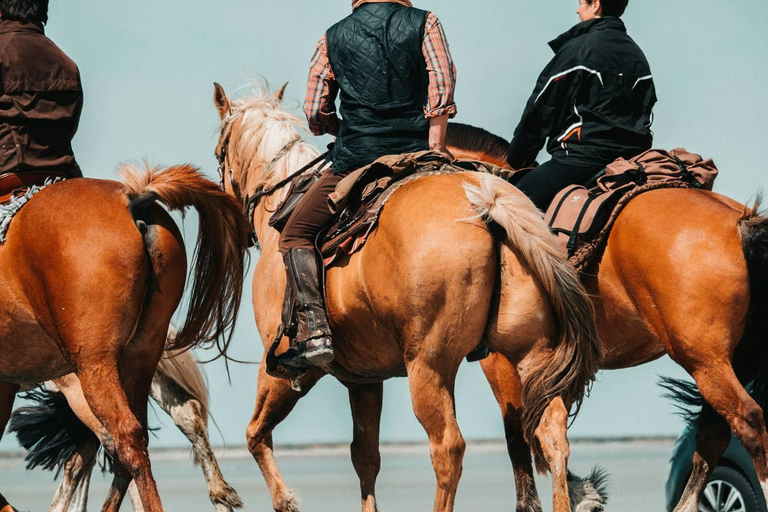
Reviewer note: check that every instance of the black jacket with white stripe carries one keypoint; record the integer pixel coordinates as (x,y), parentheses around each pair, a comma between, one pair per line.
(593,101)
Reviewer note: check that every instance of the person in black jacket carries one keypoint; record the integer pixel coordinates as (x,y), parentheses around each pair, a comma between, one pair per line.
(593,102)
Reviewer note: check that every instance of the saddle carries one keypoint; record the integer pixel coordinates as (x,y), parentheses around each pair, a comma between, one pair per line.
(362,194)
(582,217)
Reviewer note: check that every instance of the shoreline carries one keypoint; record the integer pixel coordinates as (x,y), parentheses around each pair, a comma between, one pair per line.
(333,449)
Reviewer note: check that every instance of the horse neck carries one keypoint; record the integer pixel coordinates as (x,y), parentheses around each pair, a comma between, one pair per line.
(298,156)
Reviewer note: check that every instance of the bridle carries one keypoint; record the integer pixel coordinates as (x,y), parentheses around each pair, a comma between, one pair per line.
(252,201)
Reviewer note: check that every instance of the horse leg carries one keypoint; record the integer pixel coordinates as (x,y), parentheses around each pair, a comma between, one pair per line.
(506,386)
(7,397)
(551,436)
(433,402)
(72,388)
(73,489)
(124,423)
(722,390)
(366,403)
(187,414)
(712,437)
(275,399)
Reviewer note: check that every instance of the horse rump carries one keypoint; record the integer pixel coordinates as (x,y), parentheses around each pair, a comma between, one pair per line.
(749,359)
(48,429)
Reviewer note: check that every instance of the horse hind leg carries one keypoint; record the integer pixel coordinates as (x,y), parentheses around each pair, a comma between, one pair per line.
(366,403)
(275,399)
(72,493)
(506,386)
(721,389)
(7,397)
(187,414)
(432,397)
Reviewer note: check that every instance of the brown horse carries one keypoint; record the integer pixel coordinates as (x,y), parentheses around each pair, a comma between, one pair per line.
(429,284)
(92,272)
(683,274)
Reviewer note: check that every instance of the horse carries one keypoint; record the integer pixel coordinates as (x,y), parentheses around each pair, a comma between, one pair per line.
(56,438)
(92,271)
(684,273)
(433,279)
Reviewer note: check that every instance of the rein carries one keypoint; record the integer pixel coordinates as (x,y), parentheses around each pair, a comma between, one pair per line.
(252,201)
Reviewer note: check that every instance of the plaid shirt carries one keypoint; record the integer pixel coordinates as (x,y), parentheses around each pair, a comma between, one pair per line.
(322,89)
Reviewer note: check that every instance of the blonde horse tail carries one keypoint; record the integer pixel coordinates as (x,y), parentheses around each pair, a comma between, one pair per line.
(220,253)
(182,367)
(573,363)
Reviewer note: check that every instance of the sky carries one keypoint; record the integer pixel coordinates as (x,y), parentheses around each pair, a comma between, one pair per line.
(148,67)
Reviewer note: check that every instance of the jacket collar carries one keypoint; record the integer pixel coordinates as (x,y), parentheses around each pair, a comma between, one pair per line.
(604,23)
(358,3)
(17,26)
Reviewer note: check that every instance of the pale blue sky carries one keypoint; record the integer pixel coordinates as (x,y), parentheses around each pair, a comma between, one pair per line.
(148,67)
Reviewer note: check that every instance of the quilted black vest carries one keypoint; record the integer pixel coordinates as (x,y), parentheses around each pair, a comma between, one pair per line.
(376,56)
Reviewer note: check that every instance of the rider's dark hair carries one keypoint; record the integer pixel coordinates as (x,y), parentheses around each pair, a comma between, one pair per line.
(612,7)
(26,11)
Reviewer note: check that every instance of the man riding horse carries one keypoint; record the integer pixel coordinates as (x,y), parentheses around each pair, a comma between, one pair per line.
(391,67)
(41,97)
(593,101)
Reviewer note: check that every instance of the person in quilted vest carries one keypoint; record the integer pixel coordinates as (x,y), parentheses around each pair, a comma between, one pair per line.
(390,67)
(41,96)
(593,103)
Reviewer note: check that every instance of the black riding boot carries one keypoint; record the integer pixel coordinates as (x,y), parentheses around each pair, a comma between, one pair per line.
(313,336)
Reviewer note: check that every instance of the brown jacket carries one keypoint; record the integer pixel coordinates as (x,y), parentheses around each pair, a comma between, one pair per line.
(40,101)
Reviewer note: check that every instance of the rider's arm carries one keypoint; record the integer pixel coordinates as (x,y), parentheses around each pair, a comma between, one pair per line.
(320,101)
(546,105)
(442,82)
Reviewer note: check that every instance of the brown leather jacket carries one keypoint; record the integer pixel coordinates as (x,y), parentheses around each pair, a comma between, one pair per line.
(40,101)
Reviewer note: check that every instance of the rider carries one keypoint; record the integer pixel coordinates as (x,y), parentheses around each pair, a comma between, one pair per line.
(392,69)
(41,97)
(593,102)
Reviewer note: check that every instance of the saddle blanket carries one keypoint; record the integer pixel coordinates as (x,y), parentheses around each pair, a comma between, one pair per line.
(11,201)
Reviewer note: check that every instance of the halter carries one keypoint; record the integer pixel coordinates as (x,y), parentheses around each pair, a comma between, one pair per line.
(252,201)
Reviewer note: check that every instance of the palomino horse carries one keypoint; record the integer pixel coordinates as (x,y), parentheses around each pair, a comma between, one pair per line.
(92,272)
(429,284)
(684,274)
(57,438)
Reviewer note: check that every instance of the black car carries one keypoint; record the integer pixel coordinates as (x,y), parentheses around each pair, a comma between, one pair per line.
(733,487)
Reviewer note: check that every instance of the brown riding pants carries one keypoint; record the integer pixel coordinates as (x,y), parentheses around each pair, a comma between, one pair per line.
(311,215)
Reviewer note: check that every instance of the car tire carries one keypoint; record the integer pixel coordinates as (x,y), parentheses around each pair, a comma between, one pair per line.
(728,491)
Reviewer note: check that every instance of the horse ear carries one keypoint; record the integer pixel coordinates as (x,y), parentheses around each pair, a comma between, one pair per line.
(220,100)
(281,92)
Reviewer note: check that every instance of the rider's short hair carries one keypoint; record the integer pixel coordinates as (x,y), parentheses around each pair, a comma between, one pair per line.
(26,11)
(612,7)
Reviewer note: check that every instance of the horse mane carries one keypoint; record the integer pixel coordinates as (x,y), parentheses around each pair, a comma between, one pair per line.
(472,138)
(258,129)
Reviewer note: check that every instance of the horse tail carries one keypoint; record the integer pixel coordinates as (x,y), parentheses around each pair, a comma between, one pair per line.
(48,429)
(220,252)
(750,360)
(182,368)
(573,363)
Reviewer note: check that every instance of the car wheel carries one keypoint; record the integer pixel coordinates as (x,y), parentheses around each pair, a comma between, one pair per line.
(728,491)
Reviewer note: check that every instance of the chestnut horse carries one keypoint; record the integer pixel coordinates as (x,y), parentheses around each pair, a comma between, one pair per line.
(683,274)
(92,272)
(429,284)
